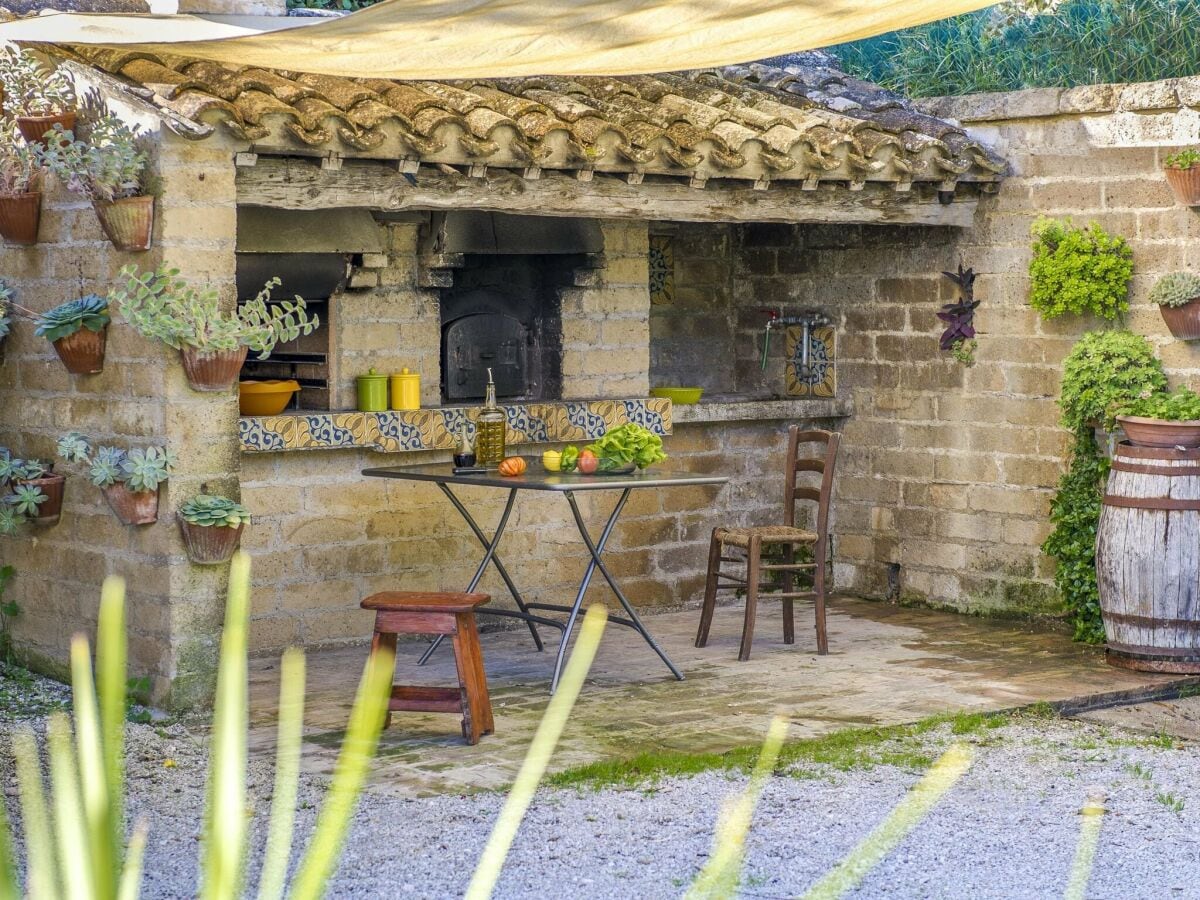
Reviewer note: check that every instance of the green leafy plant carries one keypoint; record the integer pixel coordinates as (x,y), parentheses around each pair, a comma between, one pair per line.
(20,163)
(6,297)
(164,307)
(1176,289)
(32,87)
(1181,405)
(105,467)
(628,443)
(105,163)
(1078,270)
(9,610)
(1184,159)
(83,846)
(213,510)
(1104,370)
(25,499)
(145,469)
(138,469)
(90,312)
(74,447)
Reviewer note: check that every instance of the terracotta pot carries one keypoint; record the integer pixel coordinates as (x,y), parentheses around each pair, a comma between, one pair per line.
(1146,432)
(83,352)
(20,215)
(210,545)
(1184,321)
(132,507)
(34,128)
(52,486)
(128,222)
(212,371)
(1185,184)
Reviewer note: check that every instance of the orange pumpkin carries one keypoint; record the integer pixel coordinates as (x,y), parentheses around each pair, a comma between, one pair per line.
(514,465)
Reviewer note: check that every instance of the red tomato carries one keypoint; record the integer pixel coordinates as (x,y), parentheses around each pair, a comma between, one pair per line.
(587,462)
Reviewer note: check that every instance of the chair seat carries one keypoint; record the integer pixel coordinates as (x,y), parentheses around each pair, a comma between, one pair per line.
(425,601)
(768,534)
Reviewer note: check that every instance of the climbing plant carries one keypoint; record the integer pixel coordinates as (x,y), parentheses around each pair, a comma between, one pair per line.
(1104,370)
(1078,270)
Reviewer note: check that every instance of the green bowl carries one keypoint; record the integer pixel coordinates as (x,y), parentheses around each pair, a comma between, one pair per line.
(684,396)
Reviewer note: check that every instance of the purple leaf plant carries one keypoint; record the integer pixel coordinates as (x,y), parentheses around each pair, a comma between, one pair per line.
(959,316)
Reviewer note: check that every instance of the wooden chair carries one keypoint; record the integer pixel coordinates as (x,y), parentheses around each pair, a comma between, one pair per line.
(752,540)
(420,612)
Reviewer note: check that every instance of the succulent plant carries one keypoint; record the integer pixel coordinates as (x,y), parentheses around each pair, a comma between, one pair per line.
(105,468)
(1184,159)
(1176,289)
(10,520)
(74,447)
(25,499)
(6,296)
(145,470)
(29,469)
(90,312)
(31,87)
(9,466)
(209,510)
(106,163)
(162,306)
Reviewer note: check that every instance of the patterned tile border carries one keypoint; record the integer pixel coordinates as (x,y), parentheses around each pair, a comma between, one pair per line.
(436,429)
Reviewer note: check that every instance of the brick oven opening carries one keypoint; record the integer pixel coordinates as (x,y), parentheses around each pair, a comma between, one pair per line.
(504,312)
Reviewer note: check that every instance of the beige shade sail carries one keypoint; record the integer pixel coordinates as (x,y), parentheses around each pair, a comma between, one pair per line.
(464,39)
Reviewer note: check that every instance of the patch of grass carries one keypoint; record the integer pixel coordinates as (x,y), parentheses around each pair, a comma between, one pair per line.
(1137,770)
(1162,740)
(1170,801)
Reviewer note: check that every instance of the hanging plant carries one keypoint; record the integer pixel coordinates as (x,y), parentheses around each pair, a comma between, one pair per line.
(129,479)
(33,492)
(1177,296)
(211,526)
(38,96)
(6,304)
(1183,175)
(1078,270)
(78,330)
(20,187)
(959,316)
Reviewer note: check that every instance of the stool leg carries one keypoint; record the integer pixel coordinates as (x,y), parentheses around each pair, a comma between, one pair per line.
(383,639)
(468,656)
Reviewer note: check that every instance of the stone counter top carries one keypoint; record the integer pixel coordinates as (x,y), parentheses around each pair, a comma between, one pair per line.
(399,431)
(738,410)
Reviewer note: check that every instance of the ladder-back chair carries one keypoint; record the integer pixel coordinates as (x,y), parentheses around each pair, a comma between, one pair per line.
(750,541)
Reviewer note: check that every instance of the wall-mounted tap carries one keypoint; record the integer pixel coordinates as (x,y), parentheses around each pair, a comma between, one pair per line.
(808,320)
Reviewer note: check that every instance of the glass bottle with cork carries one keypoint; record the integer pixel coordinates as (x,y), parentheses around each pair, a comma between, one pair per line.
(489,429)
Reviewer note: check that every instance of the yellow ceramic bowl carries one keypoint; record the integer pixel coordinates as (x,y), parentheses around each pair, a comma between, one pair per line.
(684,396)
(265,398)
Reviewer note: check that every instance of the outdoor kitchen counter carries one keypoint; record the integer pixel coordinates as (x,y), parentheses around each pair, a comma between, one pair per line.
(732,409)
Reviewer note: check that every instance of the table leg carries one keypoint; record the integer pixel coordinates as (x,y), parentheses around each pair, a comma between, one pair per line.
(488,557)
(596,548)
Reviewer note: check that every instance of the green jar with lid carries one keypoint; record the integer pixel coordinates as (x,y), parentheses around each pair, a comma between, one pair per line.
(372,392)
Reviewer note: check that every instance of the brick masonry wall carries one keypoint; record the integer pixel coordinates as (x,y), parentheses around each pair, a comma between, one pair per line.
(140,398)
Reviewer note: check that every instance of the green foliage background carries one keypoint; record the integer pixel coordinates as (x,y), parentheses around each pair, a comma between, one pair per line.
(1078,270)
(1084,42)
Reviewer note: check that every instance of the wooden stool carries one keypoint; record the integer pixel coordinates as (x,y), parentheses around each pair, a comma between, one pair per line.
(423,612)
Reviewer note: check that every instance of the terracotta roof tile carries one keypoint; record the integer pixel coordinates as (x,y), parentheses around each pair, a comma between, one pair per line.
(798,118)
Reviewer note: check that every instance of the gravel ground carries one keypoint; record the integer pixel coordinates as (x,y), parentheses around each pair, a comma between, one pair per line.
(1007,829)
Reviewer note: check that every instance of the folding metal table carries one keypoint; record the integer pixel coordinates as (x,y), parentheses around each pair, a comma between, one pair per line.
(567,484)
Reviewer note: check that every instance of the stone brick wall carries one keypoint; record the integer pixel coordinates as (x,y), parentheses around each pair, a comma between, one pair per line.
(140,398)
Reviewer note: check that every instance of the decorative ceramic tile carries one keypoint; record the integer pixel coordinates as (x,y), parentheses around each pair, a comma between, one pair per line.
(438,429)
(817,377)
(662,270)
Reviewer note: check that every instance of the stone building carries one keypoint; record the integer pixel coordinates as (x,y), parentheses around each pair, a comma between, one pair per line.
(633,231)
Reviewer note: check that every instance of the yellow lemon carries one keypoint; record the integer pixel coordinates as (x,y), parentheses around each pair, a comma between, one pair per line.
(552,460)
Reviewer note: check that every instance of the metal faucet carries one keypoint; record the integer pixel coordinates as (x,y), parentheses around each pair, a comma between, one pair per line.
(808,320)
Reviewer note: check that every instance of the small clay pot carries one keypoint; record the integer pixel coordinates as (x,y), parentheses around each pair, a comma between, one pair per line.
(52,486)
(1183,321)
(128,222)
(1185,184)
(1147,432)
(34,128)
(83,352)
(20,215)
(210,545)
(213,370)
(132,507)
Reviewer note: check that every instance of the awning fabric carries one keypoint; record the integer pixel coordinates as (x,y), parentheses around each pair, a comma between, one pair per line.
(464,39)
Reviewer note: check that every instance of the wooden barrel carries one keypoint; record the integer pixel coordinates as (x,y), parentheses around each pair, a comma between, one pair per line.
(1148,559)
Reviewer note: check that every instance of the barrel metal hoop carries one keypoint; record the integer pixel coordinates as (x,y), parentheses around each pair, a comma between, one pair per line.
(1160,652)
(1169,503)
(1137,452)
(1152,622)
(1119,465)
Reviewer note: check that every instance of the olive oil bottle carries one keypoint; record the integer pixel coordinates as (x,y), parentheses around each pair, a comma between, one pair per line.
(489,429)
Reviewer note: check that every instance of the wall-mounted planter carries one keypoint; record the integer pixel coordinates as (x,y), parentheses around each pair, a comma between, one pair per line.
(1146,432)
(20,215)
(128,222)
(34,128)
(1183,321)
(210,545)
(212,371)
(132,507)
(1185,184)
(82,352)
(52,486)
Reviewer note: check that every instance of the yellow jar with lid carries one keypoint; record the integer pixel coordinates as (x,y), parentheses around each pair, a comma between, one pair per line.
(406,390)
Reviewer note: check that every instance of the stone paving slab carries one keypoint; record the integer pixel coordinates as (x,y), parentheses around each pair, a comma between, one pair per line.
(887,666)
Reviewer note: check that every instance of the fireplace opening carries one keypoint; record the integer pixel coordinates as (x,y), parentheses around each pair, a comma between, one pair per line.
(504,312)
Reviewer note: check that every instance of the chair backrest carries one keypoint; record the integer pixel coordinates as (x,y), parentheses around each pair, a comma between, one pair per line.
(825,444)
